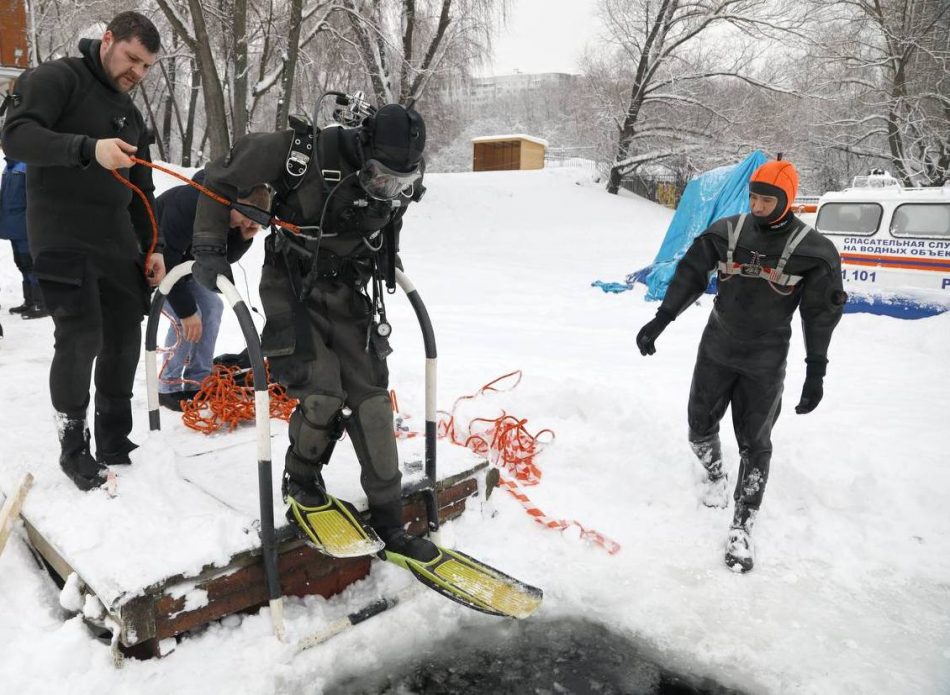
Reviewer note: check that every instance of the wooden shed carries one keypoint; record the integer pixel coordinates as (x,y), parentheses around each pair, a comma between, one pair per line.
(14,49)
(507,152)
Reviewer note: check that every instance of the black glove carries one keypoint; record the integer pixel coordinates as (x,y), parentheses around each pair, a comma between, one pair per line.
(651,331)
(210,262)
(812,391)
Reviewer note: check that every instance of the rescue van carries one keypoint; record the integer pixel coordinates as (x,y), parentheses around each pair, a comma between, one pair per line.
(889,237)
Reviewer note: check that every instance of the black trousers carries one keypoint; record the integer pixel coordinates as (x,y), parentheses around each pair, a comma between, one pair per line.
(748,374)
(97,303)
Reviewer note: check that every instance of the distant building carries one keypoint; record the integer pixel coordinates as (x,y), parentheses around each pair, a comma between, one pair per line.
(481,91)
(14,47)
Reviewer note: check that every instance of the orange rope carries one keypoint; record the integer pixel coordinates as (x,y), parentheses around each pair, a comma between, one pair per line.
(148,208)
(222,401)
(208,192)
(506,442)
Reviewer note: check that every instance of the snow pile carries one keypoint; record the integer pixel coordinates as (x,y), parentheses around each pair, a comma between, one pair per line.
(851,591)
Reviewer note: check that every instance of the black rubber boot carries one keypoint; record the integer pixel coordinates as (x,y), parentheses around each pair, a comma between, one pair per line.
(37,310)
(27,300)
(401,542)
(74,457)
(113,424)
(308,491)
(173,399)
(740,550)
(708,450)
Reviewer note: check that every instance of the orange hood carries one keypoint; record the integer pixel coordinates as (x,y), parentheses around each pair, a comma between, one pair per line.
(778,178)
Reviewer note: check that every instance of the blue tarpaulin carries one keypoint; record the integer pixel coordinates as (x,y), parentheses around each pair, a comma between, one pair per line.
(712,195)
(723,192)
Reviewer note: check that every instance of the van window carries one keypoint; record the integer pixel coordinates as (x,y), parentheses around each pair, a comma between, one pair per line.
(856,219)
(928,220)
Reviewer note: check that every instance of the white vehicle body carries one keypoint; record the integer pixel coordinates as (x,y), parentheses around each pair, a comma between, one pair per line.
(889,237)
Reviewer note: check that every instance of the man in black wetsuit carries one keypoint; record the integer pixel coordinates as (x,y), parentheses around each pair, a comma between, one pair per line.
(769,263)
(73,122)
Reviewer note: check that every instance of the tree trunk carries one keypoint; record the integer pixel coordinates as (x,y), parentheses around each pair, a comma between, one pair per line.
(216,116)
(239,92)
(290,65)
(154,128)
(171,81)
(409,17)
(613,181)
(189,135)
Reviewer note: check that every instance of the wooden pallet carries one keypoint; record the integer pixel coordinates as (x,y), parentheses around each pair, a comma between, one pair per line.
(160,612)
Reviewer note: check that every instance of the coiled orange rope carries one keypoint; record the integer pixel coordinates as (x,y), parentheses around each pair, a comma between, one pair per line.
(506,442)
(226,399)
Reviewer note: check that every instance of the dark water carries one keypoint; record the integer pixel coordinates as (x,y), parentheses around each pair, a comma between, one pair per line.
(533,658)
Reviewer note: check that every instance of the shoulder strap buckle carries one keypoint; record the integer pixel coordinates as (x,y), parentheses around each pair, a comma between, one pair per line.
(300,152)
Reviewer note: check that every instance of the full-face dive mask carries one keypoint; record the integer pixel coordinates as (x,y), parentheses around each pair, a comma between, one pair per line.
(382,183)
(392,143)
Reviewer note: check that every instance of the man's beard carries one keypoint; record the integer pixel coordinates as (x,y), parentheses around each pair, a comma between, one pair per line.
(123,85)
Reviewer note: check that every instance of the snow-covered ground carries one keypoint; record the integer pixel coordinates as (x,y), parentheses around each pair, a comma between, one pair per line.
(851,590)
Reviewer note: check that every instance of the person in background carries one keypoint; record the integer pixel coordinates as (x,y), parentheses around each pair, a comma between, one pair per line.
(13,228)
(769,264)
(195,311)
(73,122)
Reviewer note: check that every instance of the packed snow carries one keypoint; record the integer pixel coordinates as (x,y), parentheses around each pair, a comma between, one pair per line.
(851,589)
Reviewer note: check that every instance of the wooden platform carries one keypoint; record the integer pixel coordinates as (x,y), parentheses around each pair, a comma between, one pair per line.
(145,615)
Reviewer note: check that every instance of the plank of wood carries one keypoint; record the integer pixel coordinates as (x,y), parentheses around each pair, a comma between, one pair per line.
(11,509)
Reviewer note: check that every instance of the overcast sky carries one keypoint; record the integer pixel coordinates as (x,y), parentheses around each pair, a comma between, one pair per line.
(543,36)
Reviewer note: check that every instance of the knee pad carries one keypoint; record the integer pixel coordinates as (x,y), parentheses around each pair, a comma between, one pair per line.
(374,438)
(314,425)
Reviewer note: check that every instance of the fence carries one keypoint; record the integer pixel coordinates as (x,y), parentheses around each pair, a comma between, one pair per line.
(664,189)
(580,157)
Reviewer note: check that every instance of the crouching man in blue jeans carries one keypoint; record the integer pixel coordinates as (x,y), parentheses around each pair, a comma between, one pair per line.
(195,311)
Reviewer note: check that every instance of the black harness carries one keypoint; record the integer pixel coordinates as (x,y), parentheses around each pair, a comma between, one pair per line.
(300,153)
(301,255)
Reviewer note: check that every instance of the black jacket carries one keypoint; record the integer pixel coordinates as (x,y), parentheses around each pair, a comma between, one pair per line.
(63,108)
(749,307)
(175,209)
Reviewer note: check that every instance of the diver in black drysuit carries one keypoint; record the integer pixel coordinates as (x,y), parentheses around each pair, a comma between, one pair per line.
(743,350)
(326,335)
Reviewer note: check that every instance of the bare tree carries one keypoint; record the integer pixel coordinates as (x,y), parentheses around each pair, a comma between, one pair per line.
(198,41)
(660,62)
(404,44)
(57,25)
(885,76)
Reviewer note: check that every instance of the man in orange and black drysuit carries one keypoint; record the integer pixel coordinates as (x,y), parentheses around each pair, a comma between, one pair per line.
(769,263)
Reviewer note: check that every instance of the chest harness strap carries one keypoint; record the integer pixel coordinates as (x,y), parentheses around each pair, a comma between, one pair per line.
(755,269)
(305,150)
(300,153)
